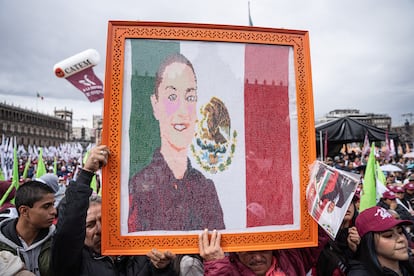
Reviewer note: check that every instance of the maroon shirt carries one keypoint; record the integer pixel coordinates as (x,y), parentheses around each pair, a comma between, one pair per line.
(159,201)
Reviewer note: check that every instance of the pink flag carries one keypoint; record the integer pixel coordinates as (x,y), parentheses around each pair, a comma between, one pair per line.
(387,147)
(366,148)
(325,150)
(78,70)
(392,147)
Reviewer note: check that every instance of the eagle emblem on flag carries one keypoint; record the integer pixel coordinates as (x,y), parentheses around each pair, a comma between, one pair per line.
(215,143)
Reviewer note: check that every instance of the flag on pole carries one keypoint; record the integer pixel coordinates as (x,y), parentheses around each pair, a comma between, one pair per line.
(365,148)
(55,166)
(6,194)
(381,181)
(15,179)
(26,168)
(3,158)
(369,191)
(39,96)
(387,147)
(41,168)
(392,147)
(325,147)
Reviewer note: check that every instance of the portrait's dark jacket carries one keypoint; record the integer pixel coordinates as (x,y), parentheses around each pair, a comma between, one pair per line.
(159,201)
(69,254)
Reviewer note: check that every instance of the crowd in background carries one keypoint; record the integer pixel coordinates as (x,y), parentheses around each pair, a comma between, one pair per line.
(375,241)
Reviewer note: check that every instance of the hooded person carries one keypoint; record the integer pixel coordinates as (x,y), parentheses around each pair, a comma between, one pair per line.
(52,180)
(29,236)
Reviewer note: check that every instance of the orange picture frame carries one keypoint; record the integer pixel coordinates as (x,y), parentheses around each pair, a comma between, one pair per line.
(289,158)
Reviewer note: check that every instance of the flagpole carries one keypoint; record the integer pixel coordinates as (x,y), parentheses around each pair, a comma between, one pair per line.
(250,17)
(321,144)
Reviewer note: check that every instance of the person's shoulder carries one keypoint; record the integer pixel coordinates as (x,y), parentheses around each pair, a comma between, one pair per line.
(8,234)
(356,268)
(7,225)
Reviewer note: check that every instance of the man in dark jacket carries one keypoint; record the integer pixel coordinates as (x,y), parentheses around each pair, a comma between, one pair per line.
(76,246)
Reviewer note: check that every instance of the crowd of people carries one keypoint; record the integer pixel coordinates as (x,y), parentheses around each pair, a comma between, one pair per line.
(39,236)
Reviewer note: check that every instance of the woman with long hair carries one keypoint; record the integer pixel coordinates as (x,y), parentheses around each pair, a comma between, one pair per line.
(384,247)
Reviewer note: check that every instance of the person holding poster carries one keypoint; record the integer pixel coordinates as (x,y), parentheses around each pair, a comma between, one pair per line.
(294,261)
(76,247)
(169,194)
(329,194)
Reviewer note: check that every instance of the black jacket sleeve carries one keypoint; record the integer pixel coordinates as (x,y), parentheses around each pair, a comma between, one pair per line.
(69,237)
(141,266)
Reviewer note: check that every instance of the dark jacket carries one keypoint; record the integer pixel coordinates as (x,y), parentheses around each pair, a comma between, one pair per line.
(37,256)
(335,257)
(402,212)
(159,201)
(69,254)
(359,269)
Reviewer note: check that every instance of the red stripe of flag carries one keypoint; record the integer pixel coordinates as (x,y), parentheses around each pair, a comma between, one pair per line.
(267,124)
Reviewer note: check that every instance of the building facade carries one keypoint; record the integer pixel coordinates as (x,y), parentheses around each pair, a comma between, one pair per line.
(34,128)
(379,120)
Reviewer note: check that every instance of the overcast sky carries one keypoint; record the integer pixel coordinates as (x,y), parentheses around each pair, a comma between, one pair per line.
(362,52)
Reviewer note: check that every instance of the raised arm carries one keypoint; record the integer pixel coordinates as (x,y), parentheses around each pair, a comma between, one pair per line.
(69,238)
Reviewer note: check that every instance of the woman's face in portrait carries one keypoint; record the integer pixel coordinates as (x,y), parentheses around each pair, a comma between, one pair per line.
(175,108)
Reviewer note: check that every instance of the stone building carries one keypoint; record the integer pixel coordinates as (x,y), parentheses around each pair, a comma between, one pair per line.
(34,128)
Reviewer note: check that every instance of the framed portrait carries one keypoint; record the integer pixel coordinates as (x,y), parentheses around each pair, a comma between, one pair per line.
(209,127)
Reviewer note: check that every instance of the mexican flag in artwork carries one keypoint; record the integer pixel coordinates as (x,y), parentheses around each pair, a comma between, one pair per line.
(255,172)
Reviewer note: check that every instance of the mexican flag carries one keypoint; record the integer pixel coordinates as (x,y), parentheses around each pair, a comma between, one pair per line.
(258,177)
